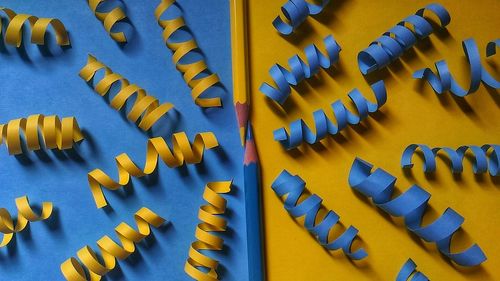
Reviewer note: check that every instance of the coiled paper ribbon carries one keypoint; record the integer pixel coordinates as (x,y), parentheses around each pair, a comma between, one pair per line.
(39,26)
(299,132)
(24,215)
(296,12)
(109,19)
(196,74)
(443,80)
(73,270)
(293,187)
(198,265)
(182,151)
(400,38)
(55,133)
(411,205)
(480,154)
(146,108)
(408,269)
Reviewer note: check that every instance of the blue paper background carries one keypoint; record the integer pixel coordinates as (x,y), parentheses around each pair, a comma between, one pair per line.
(32,83)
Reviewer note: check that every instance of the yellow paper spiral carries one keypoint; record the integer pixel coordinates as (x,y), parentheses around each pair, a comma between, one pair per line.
(198,265)
(15,23)
(55,133)
(193,73)
(182,151)
(24,215)
(109,19)
(146,108)
(73,270)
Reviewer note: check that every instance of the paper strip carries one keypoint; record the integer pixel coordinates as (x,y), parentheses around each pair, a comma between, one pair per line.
(182,152)
(443,81)
(296,12)
(14,29)
(300,70)
(55,134)
(411,205)
(109,19)
(300,132)
(199,265)
(456,157)
(292,188)
(391,45)
(196,74)
(73,270)
(408,269)
(25,214)
(146,108)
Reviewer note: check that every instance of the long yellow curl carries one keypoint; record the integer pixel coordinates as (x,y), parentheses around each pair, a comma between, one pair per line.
(24,215)
(109,19)
(199,266)
(109,249)
(55,133)
(181,152)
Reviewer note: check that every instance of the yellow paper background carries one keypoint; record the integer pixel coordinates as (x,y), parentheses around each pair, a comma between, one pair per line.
(413,114)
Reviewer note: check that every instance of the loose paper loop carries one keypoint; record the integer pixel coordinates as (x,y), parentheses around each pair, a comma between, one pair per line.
(196,74)
(456,157)
(299,132)
(296,12)
(146,108)
(391,45)
(182,152)
(55,134)
(95,268)
(443,81)
(407,270)
(39,26)
(293,188)
(411,205)
(109,19)
(25,214)
(200,266)
(300,70)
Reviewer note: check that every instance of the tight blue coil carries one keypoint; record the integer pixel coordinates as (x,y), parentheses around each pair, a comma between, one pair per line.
(411,205)
(300,70)
(299,132)
(293,188)
(480,163)
(400,38)
(443,80)
(296,12)
(408,269)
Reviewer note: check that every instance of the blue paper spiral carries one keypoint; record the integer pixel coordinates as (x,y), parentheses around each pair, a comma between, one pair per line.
(300,70)
(480,163)
(443,80)
(293,188)
(296,12)
(400,38)
(299,132)
(406,271)
(411,205)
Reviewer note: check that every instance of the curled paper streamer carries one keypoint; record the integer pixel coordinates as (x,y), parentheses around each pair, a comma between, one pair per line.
(25,214)
(408,269)
(196,74)
(73,270)
(55,133)
(400,38)
(456,157)
(300,70)
(443,80)
(299,132)
(411,205)
(39,26)
(182,152)
(200,266)
(146,108)
(109,19)
(293,188)
(296,12)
